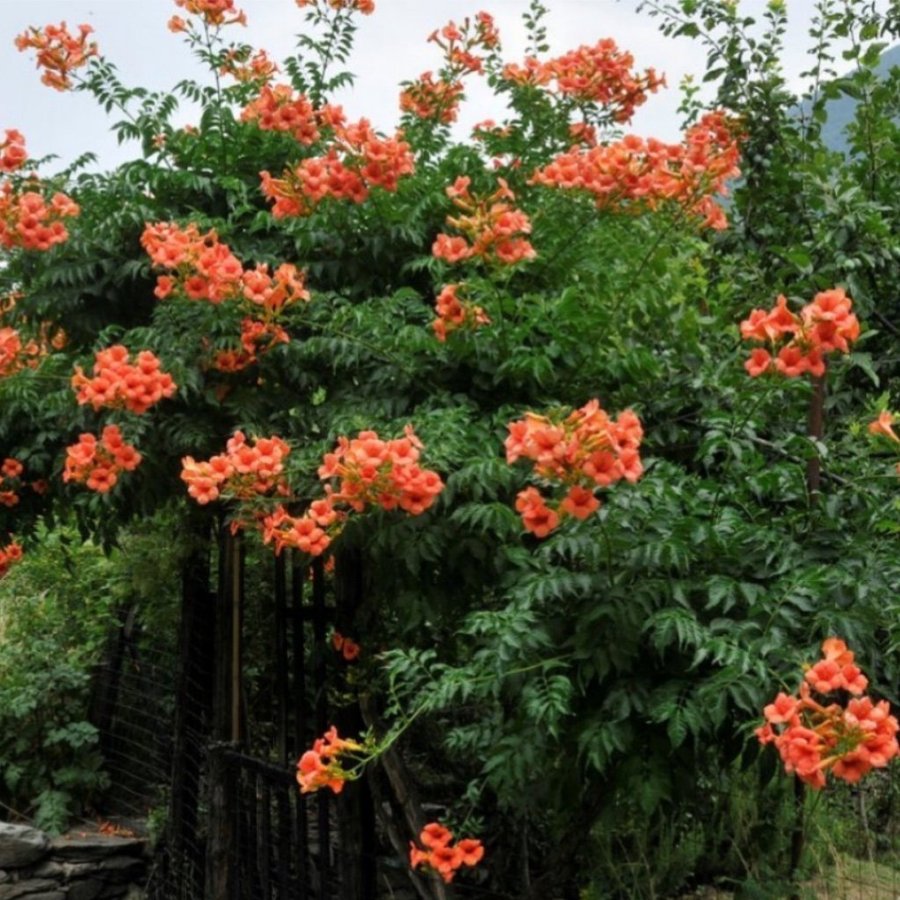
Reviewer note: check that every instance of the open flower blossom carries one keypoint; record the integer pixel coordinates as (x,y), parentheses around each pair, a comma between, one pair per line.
(16,354)
(357,159)
(322,766)
(347,647)
(214,12)
(20,351)
(883,426)
(846,739)
(206,269)
(257,338)
(580,452)
(797,344)
(118,383)
(246,470)
(601,74)
(10,481)
(369,472)
(439,854)
(97,463)
(492,228)
(439,98)
(29,221)
(202,268)
(279,108)
(455,313)
(366,7)
(430,98)
(243,67)
(635,174)
(10,554)
(12,151)
(59,52)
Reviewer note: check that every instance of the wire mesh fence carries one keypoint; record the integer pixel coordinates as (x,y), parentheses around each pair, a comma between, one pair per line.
(201,761)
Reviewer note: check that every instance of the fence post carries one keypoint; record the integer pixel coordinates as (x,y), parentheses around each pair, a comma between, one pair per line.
(221,862)
(194,697)
(356,811)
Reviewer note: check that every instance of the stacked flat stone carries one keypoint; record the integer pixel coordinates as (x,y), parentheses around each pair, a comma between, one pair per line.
(75,866)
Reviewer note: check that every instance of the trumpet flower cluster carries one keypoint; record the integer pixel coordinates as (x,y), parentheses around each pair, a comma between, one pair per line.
(439,854)
(59,52)
(279,108)
(118,383)
(10,481)
(12,151)
(243,67)
(492,229)
(455,313)
(98,463)
(356,161)
(883,426)
(10,554)
(797,344)
(846,737)
(438,99)
(347,647)
(28,221)
(601,74)
(14,355)
(322,766)
(634,174)
(246,470)
(204,268)
(18,352)
(213,12)
(366,7)
(369,472)
(580,452)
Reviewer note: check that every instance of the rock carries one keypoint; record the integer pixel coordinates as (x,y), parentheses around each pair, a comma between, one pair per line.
(87,848)
(89,889)
(30,889)
(77,866)
(21,845)
(119,869)
(64,871)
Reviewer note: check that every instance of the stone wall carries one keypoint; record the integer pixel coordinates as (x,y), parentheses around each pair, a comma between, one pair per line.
(75,866)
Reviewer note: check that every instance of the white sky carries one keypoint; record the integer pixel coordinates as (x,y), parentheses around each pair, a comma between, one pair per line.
(391,47)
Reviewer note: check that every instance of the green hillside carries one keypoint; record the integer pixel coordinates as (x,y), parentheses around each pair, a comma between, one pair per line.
(842,110)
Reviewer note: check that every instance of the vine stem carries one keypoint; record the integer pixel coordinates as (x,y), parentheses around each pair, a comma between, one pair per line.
(815,426)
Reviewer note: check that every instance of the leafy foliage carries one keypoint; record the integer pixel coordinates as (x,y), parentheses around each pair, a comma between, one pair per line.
(604,681)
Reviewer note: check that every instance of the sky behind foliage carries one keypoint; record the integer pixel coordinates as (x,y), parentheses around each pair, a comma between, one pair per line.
(392,46)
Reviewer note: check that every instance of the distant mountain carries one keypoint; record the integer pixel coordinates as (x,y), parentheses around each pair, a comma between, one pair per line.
(842,111)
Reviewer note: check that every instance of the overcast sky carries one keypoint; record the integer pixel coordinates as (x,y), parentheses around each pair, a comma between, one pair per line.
(391,47)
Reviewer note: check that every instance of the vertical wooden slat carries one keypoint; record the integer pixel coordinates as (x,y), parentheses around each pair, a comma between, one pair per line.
(251,843)
(194,690)
(220,827)
(281,662)
(320,682)
(298,644)
(220,855)
(237,605)
(265,867)
(284,845)
(298,574)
